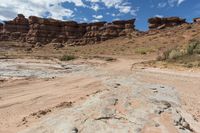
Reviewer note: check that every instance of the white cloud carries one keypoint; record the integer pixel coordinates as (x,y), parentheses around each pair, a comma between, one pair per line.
(10,8)
(173,3)
(117,19)
(180,1)
(124,9)
(85,19)
(112,3)
(76,2)
(159,16)
(94,0)
(165,3)
(162,5)
(113,15)
(97,16)
(95,7)
(54,9)
(121,5)
(95,20)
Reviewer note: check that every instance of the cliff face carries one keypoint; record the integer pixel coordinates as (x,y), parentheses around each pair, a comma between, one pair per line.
(1,27)
(196,20)
(160,23)
(39,30)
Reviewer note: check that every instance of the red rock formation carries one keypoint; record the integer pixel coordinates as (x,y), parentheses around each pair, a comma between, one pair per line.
(124,24)
(196,20)
(43,30)
(160,23)
(15,29)
(19,24)
(39,30)
(1,27)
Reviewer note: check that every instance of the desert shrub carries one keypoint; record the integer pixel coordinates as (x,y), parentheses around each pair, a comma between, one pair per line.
(198,64)
(189,65)
(143,50)
(67,57)
(197,49)
(190,49)
(174,54)
(193,47)
(185,56)
(166,54)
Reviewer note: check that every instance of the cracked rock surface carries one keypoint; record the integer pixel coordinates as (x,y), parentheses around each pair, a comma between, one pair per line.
(118,102)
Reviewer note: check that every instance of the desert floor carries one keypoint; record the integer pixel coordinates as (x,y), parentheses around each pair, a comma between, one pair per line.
(94,95)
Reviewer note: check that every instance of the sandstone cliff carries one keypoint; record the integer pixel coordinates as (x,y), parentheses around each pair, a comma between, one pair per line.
(37,30)
(196,20)
(1,27)
(40,31)
(160,23)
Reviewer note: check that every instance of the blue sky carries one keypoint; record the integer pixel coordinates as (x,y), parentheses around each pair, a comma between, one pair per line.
(101,10)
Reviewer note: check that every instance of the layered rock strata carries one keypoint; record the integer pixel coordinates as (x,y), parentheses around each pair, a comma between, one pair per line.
(161,23)
(40,30)
(196,20)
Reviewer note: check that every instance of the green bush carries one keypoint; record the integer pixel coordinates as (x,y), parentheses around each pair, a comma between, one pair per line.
(189,65)
(193,47)
(174,54)
(190,49)
(67,57)
(197,51)
(166,54)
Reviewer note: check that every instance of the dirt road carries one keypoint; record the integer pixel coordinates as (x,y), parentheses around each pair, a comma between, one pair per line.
(86,96)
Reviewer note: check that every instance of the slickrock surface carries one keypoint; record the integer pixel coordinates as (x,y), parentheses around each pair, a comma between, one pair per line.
(92,96)
(118,93)
(41,31)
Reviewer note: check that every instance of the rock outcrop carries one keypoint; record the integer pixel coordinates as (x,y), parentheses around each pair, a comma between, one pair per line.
(196,20)
(160,23)
(15,29)
(1,27)
(41,31)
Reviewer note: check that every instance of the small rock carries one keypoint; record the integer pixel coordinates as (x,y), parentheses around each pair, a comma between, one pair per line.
(74,130)
(157,125)
(155,91)
(138,130)
(186,125)
(67,68)
(117,85)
